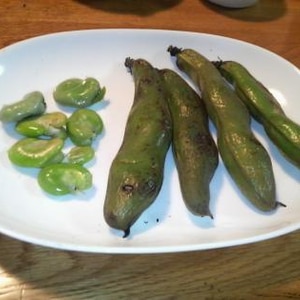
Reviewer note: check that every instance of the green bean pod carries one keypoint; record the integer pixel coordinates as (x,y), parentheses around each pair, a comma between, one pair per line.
(283,132)
(246,160)
(32,104)
(136,173)
(195,152)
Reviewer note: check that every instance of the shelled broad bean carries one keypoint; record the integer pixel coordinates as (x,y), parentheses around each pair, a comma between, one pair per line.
(44,134)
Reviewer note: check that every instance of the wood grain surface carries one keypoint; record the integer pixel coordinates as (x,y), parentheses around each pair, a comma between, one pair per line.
(264,270)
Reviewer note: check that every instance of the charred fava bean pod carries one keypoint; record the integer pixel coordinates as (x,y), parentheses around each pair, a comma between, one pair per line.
(246,160)
(32,104)
(136,173)
(195,152)
(49,124)
(264,107)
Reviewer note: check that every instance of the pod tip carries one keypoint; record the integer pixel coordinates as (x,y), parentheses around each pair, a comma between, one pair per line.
(126,233)
(217,63)
(174,50)
(208,214)
(280,204)
(129,63)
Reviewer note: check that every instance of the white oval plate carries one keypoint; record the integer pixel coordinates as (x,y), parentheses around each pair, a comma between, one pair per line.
(76,223)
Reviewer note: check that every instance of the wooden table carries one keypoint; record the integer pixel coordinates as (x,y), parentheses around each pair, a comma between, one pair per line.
(265,270)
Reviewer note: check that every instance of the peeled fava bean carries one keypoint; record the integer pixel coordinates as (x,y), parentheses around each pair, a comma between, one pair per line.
(50,124)
(83,126)
(64,178)
(32,104)
(76,92)
(36,153)
(80,155)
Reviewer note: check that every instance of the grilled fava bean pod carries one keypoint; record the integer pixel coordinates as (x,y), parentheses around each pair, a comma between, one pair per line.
(83,126)
(195,152)
(79,93)
(244,157)
(49,124)
(36,153)
(63,178)
(283,131)
(136,173)
(32,104)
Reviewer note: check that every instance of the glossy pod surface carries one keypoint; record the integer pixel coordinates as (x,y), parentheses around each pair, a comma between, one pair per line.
(136,173)
(195,152)
(244,157)
(284,132)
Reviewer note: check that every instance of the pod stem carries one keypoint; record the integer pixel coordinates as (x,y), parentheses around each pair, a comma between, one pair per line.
(217,63)
(174,50)
(129,63)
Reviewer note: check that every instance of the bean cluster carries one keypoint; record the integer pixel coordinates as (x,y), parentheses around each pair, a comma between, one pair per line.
(44,135)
